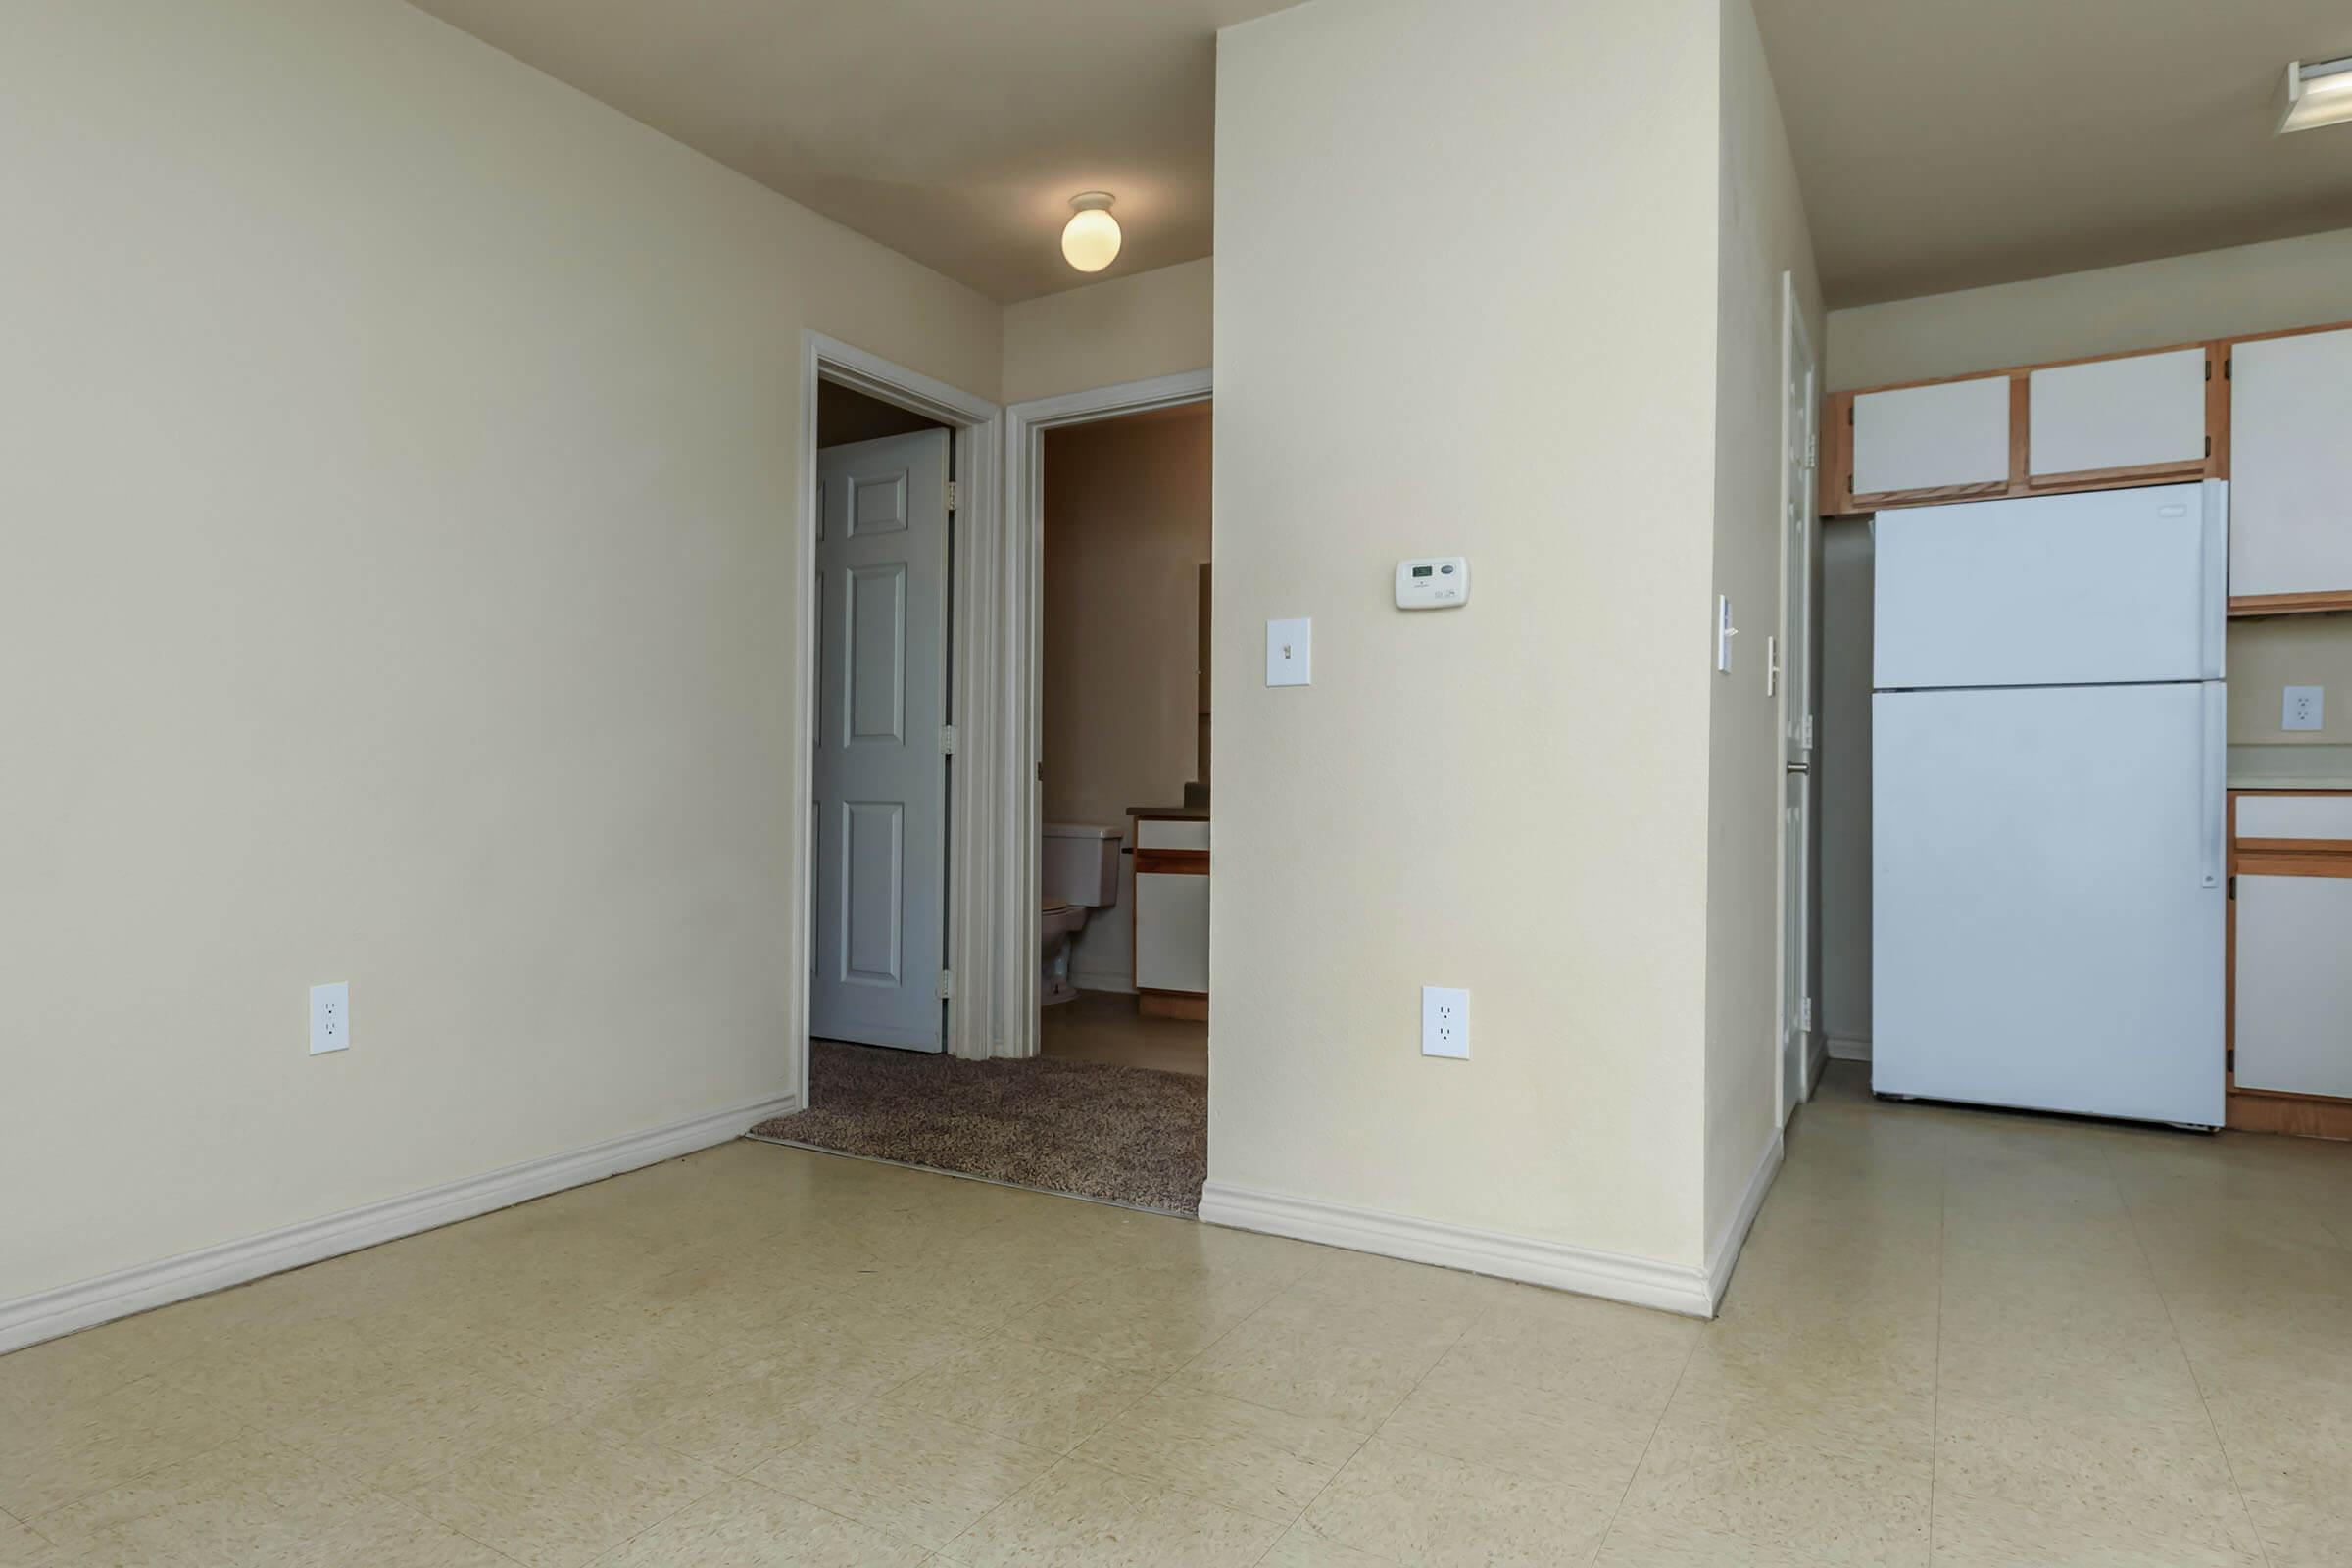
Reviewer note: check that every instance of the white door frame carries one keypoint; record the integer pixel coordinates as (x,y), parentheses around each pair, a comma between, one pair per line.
(1801,454)
(1019,795)
(971,694)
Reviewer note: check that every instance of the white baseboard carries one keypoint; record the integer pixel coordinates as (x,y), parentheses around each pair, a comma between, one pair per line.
(46,1314)
(1725,1254)
(1843,1048)
(1103,980)
(1676,1287)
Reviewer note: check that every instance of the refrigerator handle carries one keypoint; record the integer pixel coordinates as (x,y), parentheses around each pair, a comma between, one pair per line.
(2213,804)
(2213,619)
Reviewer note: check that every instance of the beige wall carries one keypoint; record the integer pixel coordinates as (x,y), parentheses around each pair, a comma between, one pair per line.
(1761,236)
(1126,329)
(397,453)
(2180,299)
(1439,342)
(1126,529)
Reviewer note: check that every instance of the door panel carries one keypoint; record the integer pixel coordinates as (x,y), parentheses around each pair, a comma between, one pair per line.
(1171,931)
(881,779)
(2107,585)
(2294,983)
(2047,900)
(1929,437)
(2290,465)
(2139,412)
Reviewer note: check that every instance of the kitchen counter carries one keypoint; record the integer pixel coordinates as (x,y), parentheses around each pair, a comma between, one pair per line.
(1177,813)
(2290,767)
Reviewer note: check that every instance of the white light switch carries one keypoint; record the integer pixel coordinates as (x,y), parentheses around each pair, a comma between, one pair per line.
(1289,652)
(2304,708)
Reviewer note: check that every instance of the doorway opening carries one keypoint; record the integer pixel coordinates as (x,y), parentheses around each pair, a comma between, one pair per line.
(1123,739)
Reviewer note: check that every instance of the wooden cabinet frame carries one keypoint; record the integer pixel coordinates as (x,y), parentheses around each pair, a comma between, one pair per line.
(1838,497)
(2275,1111)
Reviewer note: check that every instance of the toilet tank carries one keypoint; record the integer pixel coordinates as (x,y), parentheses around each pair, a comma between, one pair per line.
(1080,865)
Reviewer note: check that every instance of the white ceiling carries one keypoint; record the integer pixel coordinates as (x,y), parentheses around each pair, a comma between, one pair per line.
(1941,143)
(954,131)
(1948,143)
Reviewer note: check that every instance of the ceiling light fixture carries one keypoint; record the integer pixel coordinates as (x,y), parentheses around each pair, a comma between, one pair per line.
(2319,94)
(1089,241)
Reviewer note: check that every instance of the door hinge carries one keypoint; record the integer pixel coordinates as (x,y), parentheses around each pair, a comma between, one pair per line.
(1812,449)
(947,984)
(2227,365)
(1804,1014)
(947,739)
(2209,369)
(1807,739)
(950,495)
(2209,446)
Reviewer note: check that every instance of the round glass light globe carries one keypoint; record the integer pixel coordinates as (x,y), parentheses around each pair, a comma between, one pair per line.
(1090,240)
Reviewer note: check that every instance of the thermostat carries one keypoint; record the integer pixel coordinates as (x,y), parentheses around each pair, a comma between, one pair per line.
(1439,583)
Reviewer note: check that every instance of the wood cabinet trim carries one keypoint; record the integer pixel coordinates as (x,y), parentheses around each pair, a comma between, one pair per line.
(2331,603)
(1171,862)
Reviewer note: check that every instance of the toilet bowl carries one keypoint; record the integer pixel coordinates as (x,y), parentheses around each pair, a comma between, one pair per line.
(1078,873)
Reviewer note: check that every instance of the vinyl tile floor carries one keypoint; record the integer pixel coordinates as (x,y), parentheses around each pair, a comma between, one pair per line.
(1955,1339)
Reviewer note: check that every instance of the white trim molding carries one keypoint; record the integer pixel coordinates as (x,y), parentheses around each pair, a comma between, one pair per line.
(1843,1047)
(1020,674)
(1645,1282)
(974,954)
(1724,1256)
(46,1314)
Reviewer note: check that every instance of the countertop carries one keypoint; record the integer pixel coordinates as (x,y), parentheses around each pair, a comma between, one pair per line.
(1168,813)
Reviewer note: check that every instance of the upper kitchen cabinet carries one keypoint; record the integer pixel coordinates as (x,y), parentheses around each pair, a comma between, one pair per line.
(2290,502)
(2142,417)
(1943,442)
(2155,417)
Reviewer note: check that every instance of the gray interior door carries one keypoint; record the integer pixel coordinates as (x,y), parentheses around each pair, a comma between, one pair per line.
(881,772)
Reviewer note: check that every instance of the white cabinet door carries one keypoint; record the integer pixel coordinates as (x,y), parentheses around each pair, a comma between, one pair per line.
(1930,437)
(2290,464)
(1171,931)
(2141,412)
(2294,983)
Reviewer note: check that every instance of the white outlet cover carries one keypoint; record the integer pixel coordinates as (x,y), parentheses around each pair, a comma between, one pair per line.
(1291,652)
(1445,1022)
(2304,708)
(330,1017)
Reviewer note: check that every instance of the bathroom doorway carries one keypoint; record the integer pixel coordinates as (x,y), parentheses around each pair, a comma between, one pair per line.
(1125,750)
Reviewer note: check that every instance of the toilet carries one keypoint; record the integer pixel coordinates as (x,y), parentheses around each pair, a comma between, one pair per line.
(1078,873)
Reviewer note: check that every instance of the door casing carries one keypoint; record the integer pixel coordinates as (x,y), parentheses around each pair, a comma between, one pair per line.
(1793,1033)
(974,957)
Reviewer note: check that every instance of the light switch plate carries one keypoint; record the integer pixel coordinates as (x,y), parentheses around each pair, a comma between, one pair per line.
(2304,708)
(1445,1022)
(330,1017)
(1291,652)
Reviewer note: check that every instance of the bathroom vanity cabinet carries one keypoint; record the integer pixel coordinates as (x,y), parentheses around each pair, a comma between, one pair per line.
(1171,913)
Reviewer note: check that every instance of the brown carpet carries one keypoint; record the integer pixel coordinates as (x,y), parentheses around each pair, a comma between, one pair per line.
(1127,1134)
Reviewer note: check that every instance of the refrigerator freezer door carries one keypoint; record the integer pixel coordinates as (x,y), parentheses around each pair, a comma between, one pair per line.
(2105,586)
(2047,923)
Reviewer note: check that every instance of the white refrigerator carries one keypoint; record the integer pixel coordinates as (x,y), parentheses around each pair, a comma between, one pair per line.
(2048,839)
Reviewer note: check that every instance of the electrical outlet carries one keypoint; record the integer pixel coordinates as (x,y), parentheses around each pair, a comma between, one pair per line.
(2304,708)
(1445,1022)
(330,1017)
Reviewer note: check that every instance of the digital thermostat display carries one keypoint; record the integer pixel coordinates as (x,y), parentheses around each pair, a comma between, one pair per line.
(1436,582)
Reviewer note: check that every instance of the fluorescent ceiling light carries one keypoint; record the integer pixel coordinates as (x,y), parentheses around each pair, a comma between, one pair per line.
(2319,94)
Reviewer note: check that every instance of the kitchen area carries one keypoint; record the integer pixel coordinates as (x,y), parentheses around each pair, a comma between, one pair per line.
(2087,794)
